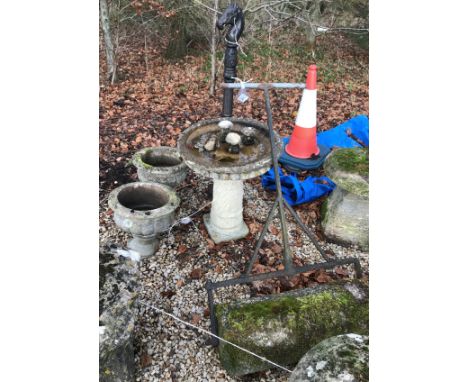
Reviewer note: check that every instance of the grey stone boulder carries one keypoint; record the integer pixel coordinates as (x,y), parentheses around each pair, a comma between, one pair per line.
(282,328)
(118,289)
(343,358)
(345,218)
(345,215)
(349,169)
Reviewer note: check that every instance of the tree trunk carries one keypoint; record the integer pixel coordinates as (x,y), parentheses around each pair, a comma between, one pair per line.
(313,18)
(213,51)
(109,46)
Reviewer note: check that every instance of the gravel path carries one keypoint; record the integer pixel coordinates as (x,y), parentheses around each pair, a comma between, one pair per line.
(174,280)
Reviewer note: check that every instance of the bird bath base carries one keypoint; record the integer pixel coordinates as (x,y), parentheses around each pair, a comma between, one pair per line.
(225,221)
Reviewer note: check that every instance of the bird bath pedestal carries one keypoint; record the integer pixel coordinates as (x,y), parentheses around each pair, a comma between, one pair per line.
(225,221)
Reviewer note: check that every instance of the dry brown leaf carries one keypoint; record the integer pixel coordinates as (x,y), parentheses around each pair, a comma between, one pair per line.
(168,293)
(323,277)
(276,248)
(273,230)
(196,273)
(196,318)
(341,271)
(145,360)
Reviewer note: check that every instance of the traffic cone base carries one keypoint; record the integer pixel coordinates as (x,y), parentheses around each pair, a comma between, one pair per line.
(303,143)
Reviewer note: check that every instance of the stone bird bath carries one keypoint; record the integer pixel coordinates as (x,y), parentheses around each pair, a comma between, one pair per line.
(228,168)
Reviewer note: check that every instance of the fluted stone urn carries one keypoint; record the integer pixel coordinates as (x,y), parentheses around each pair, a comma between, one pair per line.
(144,210)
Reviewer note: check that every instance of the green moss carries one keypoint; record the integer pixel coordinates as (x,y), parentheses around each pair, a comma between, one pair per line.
(355,160)
(252,316)
(323,210)
(138,162)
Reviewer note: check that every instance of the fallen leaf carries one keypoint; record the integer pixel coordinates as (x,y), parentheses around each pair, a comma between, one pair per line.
(341,271)
(211,243)
(259,268)
(196,318)
(167,293)
(323,277)
(196,274)
(273,230)
(145,360)
(254,227)
(286,284)
(277,249)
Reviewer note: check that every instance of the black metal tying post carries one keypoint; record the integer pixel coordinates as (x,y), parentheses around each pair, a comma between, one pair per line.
(234,17)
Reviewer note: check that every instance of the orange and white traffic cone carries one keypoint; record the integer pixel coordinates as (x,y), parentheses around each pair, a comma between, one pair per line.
(303,142)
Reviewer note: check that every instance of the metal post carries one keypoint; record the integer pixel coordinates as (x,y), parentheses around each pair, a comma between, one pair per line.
(234,17)
(286,250)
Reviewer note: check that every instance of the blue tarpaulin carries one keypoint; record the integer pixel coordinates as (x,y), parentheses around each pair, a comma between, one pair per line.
(337,136)
(313,187)
(297,192)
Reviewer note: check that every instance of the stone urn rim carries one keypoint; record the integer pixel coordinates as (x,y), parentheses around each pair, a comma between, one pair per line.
(172,203)
(241,172)
(138,162)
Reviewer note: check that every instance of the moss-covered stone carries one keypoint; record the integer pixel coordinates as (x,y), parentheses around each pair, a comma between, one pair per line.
(349,169)
(345,218)
(284,327)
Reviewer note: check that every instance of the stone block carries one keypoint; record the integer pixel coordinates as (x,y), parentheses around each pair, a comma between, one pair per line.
(118,287)
(282,328)
(345,218)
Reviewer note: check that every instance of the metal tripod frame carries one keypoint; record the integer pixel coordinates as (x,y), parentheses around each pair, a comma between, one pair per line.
(280,203)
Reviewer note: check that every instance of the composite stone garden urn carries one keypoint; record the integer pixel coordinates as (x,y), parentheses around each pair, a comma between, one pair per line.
(144,210)
(161,165)
(345,215)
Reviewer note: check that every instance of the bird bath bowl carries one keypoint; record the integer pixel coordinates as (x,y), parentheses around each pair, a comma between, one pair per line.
(144,210)
(228,171)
